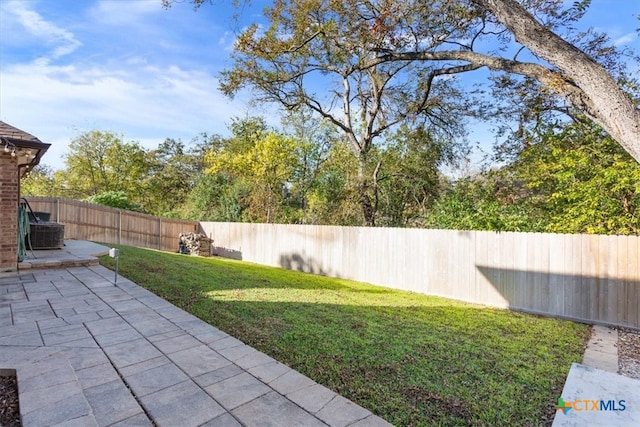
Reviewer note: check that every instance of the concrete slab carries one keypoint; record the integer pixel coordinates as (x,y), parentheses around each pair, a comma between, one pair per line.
(593,397)
(73,253)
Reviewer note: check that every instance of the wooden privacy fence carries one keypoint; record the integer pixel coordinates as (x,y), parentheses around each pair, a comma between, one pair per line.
(590,278)
(87,221)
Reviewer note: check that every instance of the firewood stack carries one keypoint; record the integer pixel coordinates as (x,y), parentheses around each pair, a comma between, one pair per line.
(194,244)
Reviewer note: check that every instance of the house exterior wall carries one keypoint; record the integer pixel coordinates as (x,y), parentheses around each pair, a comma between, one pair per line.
(9,195)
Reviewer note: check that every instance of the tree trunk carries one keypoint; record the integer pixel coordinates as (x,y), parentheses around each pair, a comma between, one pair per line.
(364,188)
(604,102)
(368,211)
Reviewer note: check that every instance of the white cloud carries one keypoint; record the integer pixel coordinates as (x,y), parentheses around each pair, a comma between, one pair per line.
(63,41)
(123,13)
(626,39)
(146,104)
(140,89)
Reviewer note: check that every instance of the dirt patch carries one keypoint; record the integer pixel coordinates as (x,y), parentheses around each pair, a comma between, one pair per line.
(452,405)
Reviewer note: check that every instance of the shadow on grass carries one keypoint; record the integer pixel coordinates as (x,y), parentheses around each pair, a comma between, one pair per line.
(410,358)
(145,264)
(412,365)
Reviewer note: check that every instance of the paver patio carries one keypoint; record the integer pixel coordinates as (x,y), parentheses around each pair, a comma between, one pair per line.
(89,353)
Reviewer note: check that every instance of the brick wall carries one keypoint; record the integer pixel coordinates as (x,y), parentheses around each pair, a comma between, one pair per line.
(9,194)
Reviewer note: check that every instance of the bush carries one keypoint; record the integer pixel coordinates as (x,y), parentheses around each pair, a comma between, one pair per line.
(114,199)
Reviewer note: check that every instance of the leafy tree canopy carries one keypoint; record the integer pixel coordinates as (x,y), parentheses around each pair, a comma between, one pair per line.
(114,199)
(385,62)
(100,161)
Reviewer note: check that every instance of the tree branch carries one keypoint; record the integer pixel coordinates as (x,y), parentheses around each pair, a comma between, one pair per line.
(597,94)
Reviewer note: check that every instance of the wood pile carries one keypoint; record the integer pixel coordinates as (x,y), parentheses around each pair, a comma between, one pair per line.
(194,244)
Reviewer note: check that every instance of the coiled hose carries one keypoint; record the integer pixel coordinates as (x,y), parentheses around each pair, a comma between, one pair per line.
(23,229)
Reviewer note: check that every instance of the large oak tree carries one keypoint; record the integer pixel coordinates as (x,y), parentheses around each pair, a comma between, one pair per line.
(390,62)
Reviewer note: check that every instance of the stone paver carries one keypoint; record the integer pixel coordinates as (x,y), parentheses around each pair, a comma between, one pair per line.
(342,412)
(602,349)
(272,409)
(88,353)
(198,360)
(155,379)
(112,402)
(313,398)
(49,391)
(237,390)
(184,404)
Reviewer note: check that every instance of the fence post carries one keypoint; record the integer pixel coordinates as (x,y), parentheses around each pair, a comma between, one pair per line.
(57,209)
(160,234)
(119,227)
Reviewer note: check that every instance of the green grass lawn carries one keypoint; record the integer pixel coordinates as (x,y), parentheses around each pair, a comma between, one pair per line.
(412,359)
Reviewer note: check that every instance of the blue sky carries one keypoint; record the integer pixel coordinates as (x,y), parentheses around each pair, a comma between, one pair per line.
(134,68)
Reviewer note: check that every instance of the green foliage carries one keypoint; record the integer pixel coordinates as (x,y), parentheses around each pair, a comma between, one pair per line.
(114,199)
(484,202)
(216,197)
(575,181)
(335,45)
(585,180)
(409,179)
(174,170)
(265,161)
(412,359)
(380,67)
(333,196)
(40,181)
(99,162)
